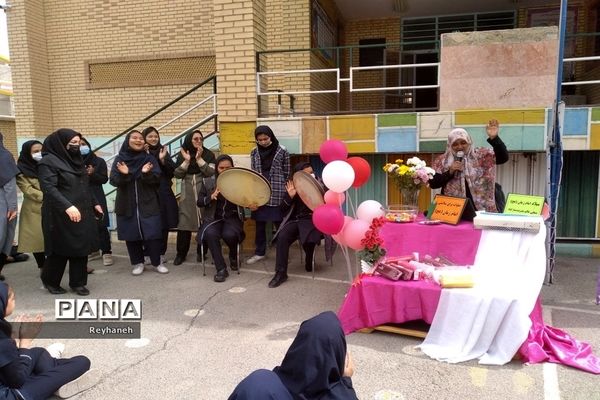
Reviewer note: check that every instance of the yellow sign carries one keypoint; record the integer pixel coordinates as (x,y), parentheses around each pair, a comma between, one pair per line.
(523,204)
(448,209)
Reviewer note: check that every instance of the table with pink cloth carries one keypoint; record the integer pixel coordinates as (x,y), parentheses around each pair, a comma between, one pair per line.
(373,300)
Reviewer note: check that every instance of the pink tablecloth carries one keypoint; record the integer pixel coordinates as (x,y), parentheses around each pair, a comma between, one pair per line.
(458,243)
(376,301)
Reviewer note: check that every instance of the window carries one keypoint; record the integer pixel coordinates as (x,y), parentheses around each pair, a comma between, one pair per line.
(368,56)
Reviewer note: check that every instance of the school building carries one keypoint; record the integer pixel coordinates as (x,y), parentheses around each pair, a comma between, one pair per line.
(390,78)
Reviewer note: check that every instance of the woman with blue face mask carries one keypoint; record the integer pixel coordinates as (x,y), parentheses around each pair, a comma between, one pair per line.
(98,175)
(31,238)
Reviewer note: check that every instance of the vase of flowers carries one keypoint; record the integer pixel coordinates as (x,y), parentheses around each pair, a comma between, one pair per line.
(409,177)
(372,244)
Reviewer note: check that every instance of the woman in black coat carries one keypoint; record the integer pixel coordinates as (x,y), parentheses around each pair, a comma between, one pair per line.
(222,220)
(68,220)
(296,225)
(169,211)
(136,176)
(98,173)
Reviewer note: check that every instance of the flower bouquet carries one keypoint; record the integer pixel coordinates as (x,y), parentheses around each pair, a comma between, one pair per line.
(410,175)
(372,244)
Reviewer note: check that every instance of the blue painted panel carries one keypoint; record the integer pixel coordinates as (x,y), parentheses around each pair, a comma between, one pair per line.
(516,138)
(396,139)
(292,145)
(576,122)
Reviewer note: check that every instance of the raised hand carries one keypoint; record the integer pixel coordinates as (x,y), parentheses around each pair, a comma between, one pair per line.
(492,128)
(215,194)
(162,154)
(291,189)
(122,168)
(147,167)
(199,153)
(185,154)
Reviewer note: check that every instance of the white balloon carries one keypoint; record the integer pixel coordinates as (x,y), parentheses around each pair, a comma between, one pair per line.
(369,209)
(338,176)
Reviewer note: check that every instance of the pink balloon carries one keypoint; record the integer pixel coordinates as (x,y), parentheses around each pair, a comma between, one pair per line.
(334,198)
(354,233)
(339,237)
(332,150)
(328,218)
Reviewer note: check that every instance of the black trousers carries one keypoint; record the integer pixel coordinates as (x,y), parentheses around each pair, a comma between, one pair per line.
(138,248)
(54,269)
(40,259)
(285,238)
(48,374)
(183,243)
(104,236)
(212,238)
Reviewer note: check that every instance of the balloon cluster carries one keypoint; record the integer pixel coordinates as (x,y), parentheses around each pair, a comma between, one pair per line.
(340,174)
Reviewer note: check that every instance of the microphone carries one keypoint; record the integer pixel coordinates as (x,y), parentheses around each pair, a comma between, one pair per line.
(459,157)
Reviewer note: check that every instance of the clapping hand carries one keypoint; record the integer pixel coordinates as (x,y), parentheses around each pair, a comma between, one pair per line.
(162,154)
(185,154)
(492,128)
(291,189)
(199,153)
(122,168)
(147,167)
(215,194)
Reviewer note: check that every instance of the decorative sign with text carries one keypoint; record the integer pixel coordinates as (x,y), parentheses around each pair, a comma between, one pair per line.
(448,209)
(523,204)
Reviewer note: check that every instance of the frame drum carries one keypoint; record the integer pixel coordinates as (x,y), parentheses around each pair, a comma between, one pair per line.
(244,187)
(309,189)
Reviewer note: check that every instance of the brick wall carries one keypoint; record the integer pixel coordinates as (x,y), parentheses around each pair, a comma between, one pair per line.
(9,135)
(50,47)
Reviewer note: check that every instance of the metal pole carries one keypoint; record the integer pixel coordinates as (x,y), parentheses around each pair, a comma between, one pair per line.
(555,147)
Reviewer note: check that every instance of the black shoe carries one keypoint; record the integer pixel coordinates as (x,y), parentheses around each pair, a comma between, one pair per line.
(308,267)
(55,289)
(233,264)
(278,279)
(81,290)
(178,260)
(221,275)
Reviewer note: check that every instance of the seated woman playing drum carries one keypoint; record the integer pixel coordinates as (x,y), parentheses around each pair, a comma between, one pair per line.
(297,224)
(222,220)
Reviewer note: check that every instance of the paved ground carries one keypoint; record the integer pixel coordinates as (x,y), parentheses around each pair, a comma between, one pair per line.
(204,337)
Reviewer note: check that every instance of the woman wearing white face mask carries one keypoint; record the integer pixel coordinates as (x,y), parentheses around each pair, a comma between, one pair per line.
(31,239)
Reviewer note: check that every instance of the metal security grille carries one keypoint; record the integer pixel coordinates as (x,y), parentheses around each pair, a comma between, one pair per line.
(166,71)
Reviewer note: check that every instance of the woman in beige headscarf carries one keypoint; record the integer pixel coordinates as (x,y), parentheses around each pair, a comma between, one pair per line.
(468,171)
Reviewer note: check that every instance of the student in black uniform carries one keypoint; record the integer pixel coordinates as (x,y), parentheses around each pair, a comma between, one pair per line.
(31,373)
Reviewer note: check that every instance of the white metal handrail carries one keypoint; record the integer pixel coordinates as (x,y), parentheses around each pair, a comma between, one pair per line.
(397,66)
(578,59)
(350,79)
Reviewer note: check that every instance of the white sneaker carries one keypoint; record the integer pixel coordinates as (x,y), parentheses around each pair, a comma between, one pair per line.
(84,382)
(161,269)
(107,259)
(147,260)
(163,259)
(56,349)
(254,259)
(138,269)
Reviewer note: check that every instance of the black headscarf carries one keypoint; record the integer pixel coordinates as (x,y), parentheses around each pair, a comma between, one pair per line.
(56,144)
(152,149)
(314,364)
(222,157)
(266,153)
(301,165)
(27,165)
(188,145)
(261,384)
(8,167)
(135,160)
(90,158)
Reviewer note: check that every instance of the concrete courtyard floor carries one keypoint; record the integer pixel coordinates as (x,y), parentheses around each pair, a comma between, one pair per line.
(203,337)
